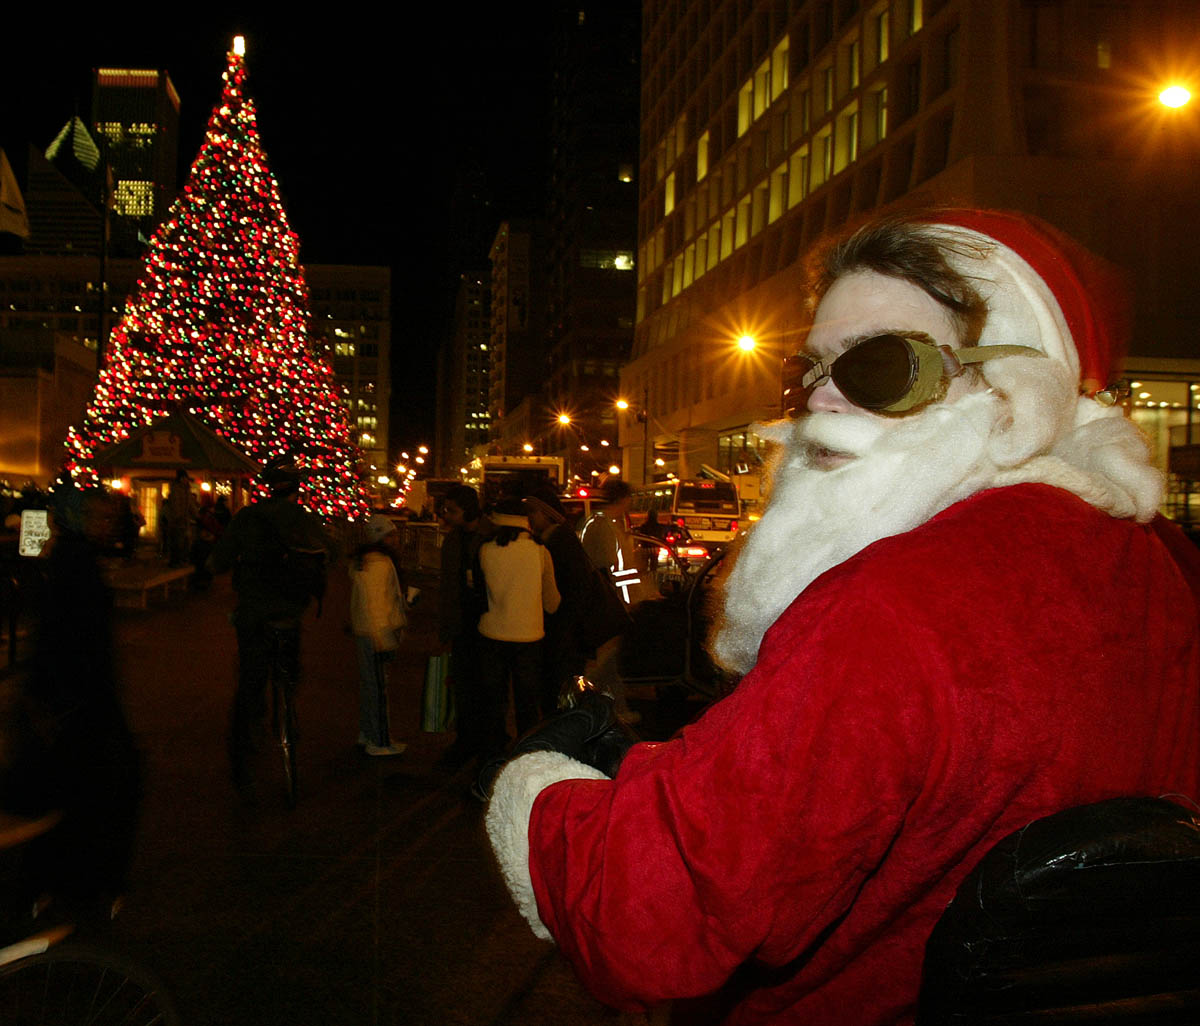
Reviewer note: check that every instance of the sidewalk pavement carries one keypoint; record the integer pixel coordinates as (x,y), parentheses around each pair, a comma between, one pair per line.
(375,902)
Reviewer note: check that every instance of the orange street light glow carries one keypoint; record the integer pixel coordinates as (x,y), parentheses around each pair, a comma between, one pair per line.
(747,343)
(622,404)
(1174,96)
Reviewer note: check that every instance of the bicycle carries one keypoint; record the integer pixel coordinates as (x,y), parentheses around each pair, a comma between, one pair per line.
(284,639)
(50,977)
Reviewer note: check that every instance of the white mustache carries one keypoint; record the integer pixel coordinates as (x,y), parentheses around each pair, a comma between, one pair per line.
(846,433)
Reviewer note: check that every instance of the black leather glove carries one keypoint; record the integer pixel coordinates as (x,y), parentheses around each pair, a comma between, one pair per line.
(589,732)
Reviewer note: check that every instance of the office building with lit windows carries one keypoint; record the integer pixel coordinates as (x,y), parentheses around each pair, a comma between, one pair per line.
(135,116)
(766,125)
(517,336)
(463,423)
(351,327)
(592,228)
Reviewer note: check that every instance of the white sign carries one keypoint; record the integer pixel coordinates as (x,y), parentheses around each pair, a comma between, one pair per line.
(35,531)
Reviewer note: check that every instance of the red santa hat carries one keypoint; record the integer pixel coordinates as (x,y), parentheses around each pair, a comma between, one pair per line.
(1042,289)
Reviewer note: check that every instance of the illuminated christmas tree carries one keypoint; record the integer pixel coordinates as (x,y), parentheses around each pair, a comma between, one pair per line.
(218,324)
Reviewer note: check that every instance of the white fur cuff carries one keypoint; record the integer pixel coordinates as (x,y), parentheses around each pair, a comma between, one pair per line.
(516,789)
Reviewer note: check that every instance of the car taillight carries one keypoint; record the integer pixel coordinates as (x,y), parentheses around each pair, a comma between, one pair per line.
(733,526)
(680,522)
(695,552)
(663,555)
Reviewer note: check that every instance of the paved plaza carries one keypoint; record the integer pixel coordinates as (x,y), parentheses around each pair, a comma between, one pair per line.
(375,901)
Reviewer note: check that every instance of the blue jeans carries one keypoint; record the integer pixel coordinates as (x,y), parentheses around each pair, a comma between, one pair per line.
(372,691)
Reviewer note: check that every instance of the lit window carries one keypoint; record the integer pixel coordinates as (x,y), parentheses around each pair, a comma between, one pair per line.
(762,89)
(745,108)
(798,177)
(779,69)
(134,199)
(883,28)
(778,191)
(915,16)
(625,173)
(669,194)
(606,260)
(702,157)
(743,222)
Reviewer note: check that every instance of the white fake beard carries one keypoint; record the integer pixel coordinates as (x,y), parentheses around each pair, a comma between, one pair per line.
(903,472)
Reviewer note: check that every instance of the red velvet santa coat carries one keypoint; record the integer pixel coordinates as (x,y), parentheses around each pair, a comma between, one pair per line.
(1020,653)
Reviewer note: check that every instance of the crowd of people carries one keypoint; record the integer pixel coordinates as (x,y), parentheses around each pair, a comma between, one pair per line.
(519,609)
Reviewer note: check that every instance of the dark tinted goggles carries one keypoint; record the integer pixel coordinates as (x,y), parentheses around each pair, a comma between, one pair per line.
(885,373)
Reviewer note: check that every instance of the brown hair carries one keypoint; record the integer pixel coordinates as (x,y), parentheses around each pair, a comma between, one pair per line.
(901,246)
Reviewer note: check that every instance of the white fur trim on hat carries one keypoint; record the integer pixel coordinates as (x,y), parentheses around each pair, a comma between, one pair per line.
(516,789)
(1022,309)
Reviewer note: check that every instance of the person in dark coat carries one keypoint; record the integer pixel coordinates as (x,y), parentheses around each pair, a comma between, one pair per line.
(75,753)
(565,651)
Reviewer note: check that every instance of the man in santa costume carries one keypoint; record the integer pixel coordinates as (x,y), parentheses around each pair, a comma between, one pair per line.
(956,616)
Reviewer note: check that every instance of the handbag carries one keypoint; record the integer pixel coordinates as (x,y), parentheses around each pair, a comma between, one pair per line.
(609,614)
(437,696)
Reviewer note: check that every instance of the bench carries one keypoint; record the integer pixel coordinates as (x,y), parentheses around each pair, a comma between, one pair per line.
(135,582)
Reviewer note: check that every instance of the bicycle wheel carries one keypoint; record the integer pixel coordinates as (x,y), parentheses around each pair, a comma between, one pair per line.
(287,743)
(74,984)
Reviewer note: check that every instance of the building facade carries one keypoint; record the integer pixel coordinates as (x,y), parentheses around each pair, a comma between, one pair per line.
(463,421)
(135,115)
(767,125)
(351,326)
(592,229)
(517,336)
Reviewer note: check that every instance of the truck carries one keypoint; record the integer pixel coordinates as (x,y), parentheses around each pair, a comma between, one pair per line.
(428,493)
(500,476)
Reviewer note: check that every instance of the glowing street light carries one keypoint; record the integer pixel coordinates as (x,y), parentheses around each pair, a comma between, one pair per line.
(564,419)
(423,450)
(622,404)
(527,447)
(1174,96)
(747,343)
(614,470)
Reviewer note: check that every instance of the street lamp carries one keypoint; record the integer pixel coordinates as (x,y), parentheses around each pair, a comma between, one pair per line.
(1174,96)
(642,415)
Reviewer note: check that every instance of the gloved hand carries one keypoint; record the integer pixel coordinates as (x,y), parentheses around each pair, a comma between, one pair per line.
(589,732)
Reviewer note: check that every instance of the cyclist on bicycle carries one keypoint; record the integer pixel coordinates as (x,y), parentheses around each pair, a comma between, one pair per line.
(261,546)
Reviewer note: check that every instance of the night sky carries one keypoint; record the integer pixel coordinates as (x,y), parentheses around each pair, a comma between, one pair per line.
(367,128)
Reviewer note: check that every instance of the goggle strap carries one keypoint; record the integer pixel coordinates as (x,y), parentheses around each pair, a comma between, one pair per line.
(977,354)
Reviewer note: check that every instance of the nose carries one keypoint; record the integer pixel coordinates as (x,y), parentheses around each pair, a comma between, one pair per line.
(826,398)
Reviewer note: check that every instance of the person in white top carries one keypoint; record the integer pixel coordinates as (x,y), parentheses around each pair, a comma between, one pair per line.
(518,575)
(378,619)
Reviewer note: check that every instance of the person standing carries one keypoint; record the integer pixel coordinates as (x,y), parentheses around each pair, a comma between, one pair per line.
(181,507)
(461,602)
(74,751)
(256,547)
(565,650)
(519,578)
(378,619)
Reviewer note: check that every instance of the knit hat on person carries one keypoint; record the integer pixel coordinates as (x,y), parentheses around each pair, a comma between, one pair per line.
(1042,290)
(378,528)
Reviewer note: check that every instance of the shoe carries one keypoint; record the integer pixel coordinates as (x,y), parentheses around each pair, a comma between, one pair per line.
(395,748)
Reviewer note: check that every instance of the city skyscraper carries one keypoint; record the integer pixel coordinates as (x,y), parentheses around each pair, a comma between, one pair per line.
(135,114)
